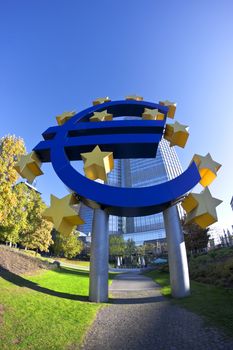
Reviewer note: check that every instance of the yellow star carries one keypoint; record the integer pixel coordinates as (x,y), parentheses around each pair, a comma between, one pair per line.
(177,134)
(171,106)
(62,214)
(97,164)
(101,116)
(207,168)
(189,203)
(201,208)
(152,114)
(100,100)
(134,97)
(64,117)
(29,166)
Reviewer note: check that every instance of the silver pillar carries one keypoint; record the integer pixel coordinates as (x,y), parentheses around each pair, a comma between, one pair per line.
(98,289)
(177,257)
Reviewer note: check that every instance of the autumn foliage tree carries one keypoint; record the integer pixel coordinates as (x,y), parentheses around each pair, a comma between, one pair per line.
(116,245)
(36,233)
(21,207)
(68,246)
(11,147)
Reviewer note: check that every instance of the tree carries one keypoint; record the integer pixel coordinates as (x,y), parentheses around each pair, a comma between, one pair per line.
(17,216)
(36,233)
(196,238)
(130,248)
(11,148)
(40,238)
(11,215)
(150,251)
(116,245)
(141,250)
(20,206)
(67,246)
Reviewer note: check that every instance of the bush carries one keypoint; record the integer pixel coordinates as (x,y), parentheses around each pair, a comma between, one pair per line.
(216,267)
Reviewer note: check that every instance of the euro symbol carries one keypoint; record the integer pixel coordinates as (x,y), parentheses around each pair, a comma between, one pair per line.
(126,139)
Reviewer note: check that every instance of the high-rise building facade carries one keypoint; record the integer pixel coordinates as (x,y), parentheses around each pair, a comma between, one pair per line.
(139,173)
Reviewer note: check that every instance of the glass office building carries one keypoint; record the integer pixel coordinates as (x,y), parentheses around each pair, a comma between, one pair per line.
(139,173)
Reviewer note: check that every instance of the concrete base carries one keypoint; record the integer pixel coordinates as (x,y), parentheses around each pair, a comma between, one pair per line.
(177,257)
(98,290)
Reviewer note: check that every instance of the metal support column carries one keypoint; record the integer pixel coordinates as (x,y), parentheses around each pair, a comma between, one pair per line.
(98,289)
(177,257)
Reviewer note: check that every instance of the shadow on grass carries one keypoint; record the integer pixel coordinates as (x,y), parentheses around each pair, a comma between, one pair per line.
(22,282)
(71,271)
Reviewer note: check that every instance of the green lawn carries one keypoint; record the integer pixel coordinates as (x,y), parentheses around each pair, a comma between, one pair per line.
(74,262)
(45,312)
(215,303)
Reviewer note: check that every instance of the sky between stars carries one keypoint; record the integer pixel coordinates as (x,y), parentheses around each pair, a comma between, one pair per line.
(60,55)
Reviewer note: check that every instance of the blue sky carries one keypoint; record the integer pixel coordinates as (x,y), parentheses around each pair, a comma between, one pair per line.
(60,55)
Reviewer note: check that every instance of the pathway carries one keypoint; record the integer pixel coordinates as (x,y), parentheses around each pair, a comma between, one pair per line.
(139,318)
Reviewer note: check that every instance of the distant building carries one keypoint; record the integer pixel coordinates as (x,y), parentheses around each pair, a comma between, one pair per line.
(231,203)
(86,214)
(159,245)
(30,186)
(139,173)
(142,173)
(215,233)
(227,238)
(86,240)
(220,237)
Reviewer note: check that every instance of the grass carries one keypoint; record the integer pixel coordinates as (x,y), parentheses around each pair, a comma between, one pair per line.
(74,262)
(47,311)
(212,302)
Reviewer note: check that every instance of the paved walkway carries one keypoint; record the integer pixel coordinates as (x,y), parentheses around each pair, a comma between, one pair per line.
(139,318)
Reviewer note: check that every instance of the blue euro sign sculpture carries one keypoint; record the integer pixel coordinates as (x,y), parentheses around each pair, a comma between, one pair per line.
(126,139)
